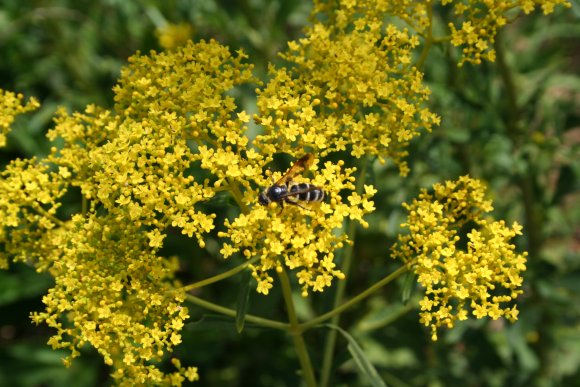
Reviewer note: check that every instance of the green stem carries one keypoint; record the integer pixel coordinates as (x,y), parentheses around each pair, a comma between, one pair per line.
(296,331)
(332,334)
(513,110)
(38,208)
(238,196)
(428,39)
(84,205)
(340,290)
(532,211)
(218,277)
(264,322)
(361,296)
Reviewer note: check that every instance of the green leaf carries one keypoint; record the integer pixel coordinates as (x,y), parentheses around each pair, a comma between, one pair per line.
(209,322)
(243,299)
(359,357)
(408,287)
(34,364)
(22,283)
(382,314)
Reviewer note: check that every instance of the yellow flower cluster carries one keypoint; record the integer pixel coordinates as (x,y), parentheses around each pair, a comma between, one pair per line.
(464,261)
(10,106)
(112,291)
(29,194)
(137,159)
(185,88)
(176,138)
(139,171)
(341,13)
(173,140)
(133,166)
(187,92)
(349,86)
(476,23)
(298,238)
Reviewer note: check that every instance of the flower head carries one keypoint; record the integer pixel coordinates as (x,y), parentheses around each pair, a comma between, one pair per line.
(478,273)
(302,239)
(349,86)
(477,22)
(29,200)
(10,106)
(133,165)
(111,291)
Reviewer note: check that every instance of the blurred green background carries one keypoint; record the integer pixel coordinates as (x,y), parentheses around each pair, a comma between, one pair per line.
(514,123)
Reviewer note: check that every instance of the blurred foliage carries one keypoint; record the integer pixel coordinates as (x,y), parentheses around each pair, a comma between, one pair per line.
(514,123)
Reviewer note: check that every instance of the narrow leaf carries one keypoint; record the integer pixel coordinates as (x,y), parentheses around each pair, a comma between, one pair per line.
(361,360)
(243,299)
(408,287)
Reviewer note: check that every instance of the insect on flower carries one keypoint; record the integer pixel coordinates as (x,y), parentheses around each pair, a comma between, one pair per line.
(285,190)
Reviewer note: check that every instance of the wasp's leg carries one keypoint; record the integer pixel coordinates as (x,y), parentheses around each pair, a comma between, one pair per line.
(281,207)
(299,205)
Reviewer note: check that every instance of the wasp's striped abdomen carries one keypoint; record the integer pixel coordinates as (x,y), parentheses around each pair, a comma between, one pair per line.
(305,192)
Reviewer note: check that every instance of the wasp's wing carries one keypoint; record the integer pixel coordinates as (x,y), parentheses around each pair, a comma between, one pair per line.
(300,165)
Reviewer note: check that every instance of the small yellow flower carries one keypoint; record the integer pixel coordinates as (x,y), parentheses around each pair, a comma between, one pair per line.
(155,238)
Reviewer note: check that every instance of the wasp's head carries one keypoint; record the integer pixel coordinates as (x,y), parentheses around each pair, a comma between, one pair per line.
(263,198)
(273,194)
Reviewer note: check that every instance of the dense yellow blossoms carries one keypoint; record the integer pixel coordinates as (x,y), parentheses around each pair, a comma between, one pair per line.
(298,238)
(113,289)
(478,272)
(29,196)
(473,24)
(133,166)
(176,139)
(477,22)
(349,86)
(10,106)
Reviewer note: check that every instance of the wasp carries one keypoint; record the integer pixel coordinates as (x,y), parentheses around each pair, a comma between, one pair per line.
(285,190)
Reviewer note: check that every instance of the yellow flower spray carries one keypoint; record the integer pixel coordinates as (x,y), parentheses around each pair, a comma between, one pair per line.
(176,138)
(482,277)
